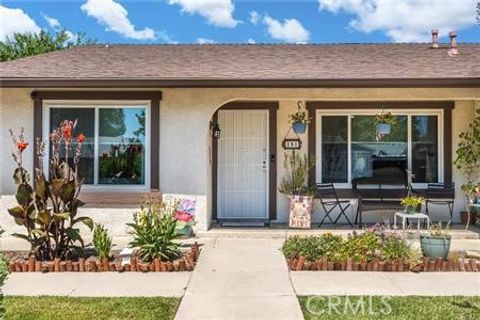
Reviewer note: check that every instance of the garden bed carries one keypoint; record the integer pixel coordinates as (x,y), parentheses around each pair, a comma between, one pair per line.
(93,264)
(375,249)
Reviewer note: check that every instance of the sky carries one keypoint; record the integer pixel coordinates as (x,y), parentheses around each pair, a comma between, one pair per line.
(244,21)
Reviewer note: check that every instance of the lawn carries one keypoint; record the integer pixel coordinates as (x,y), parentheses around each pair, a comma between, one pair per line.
(364,307)
(51,308)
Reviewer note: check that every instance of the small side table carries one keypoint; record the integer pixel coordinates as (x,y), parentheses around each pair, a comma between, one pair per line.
(406,216)
(469,206)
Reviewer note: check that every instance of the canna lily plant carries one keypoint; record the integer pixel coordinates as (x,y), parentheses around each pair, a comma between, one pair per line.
(48,209)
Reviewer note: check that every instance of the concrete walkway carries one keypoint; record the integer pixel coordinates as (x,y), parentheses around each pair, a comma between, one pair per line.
(240,279)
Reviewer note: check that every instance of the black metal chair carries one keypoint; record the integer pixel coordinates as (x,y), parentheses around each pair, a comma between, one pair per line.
(440,194)
(329,200)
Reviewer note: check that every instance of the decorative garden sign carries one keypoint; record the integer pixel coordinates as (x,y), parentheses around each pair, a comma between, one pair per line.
(300,212)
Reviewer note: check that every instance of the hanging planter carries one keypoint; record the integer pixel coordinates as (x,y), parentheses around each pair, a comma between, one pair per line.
(299,127)
(384,122)
(298,120)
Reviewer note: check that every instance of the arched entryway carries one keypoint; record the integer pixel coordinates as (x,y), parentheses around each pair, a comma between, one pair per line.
(244,157)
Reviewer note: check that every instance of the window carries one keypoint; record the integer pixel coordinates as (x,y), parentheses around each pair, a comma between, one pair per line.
(115,150)
(348,147)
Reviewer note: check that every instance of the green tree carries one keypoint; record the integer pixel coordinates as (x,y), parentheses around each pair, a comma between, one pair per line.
(30,44)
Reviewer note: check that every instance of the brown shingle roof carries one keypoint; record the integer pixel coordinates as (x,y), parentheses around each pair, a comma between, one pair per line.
(248,62)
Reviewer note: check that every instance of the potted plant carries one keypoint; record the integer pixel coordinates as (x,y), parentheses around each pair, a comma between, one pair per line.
(298,120)
(295,185)
(436,243)
(468,159)
(412,204)
(384,122)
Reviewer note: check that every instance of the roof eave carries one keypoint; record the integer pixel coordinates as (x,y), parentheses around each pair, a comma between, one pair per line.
(236,83)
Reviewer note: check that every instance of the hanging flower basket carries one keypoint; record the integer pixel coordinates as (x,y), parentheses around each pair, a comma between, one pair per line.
(299,127)
(384,128)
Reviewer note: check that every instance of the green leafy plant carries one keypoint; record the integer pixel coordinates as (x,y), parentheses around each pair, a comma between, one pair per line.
(297,169)
(153,231)
(385,118)
(468,155)
(298,117)
(49,210)
(395,248)
(102,241)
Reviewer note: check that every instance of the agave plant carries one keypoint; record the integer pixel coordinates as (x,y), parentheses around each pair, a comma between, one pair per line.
(48,210)
(153,231)
(102,241)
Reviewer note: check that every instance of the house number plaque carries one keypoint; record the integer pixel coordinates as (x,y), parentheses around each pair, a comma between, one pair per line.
(292,144)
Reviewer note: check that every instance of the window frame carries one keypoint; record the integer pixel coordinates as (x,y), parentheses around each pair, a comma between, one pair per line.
(97,105)
(350,113)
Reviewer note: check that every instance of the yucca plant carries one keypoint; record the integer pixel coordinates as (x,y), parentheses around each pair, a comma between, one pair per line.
(153,231)
(102,241)
(297,169)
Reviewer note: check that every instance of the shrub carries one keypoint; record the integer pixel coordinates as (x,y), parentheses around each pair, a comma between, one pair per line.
(49,210)
(102,241)
(375,243)
(153,231)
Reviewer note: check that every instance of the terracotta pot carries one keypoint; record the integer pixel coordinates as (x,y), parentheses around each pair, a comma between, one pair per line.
(381,265)
(25,266)
(330,266)
(289,262)
(68,266)
(183,265)
(370,266)
(176,265)
(461,265)
(75,266)
(431,265)
(196,250)
(156,265)
(105,264)
(300,263)
(51,266)
(426,263)
(57,262)
(81,265)
(169,266)
(401,266)
(113,266)
(38,266)
(133,263)
(31,263)
(45,267)
(473,265)
(324,263)
(394,266)
(190,260)
(63,266)
(12,266)
(127,267)
(375,265)
(444,267)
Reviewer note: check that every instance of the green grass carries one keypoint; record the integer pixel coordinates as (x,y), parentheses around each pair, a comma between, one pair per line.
(431,308)
(51,308)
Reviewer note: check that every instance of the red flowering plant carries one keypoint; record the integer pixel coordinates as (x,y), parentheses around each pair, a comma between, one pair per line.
(49,209)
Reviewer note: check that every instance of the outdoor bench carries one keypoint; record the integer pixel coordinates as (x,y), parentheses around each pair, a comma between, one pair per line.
(377,195)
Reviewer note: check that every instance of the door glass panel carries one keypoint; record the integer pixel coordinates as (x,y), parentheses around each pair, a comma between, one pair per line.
(334,149)
(85,124)
(383,159)
(425,149)
(121,146)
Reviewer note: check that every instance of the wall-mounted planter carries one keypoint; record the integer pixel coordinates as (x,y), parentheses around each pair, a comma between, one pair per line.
(384,128)
(299,127)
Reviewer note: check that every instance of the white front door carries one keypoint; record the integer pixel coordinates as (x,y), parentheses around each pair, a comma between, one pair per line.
(243,164)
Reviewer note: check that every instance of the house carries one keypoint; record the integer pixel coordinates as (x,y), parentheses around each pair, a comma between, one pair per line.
(150,114)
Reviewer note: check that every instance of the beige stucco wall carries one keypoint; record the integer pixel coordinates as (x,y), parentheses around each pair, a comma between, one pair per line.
(185,151)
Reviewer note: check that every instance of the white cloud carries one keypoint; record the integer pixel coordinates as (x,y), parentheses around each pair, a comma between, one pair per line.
(251,41)
(217,12)
(291,30)
(254,17)
(205,41)
(114,16)
(15,20)
(52,22)
(405,21)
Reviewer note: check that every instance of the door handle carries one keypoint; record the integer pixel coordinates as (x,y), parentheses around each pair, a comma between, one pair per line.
(272,158)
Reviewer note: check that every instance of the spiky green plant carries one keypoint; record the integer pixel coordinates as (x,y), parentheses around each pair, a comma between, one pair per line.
(102,241)
(297,169)
(153,231)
